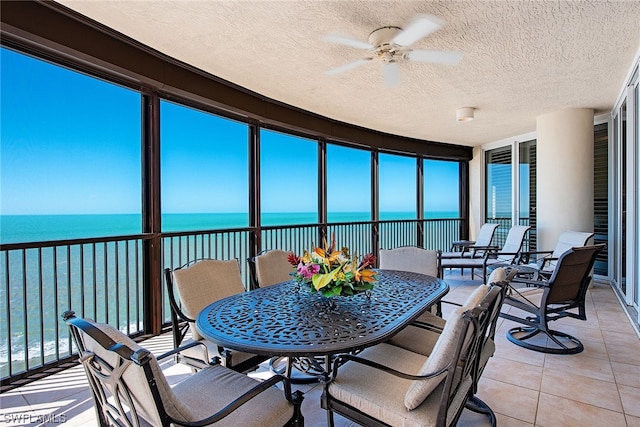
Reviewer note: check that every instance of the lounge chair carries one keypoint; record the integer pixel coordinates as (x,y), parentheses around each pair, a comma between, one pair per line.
(471,248)
(545,264)
(508,255)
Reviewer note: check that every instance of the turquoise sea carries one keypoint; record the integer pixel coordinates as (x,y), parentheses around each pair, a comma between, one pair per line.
(39,228)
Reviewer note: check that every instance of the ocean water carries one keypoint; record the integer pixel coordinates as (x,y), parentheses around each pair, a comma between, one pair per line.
(40,228)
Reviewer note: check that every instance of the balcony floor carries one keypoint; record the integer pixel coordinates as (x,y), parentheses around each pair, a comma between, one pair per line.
(600,386)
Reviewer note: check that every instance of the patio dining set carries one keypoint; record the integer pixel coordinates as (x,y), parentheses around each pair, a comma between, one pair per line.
(385,356)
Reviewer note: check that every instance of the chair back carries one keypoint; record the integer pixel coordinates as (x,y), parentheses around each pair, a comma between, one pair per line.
(272,267)
(202,282)
(566,241)
(486,233)
(570,279)
(454,355)
(515,238)
(410,258)
(125,379)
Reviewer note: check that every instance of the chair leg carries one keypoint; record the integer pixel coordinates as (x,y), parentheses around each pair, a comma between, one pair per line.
(298,418)
(478,406)
(566,344)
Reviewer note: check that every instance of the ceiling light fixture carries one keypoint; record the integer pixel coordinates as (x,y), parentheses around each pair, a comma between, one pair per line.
(465,114)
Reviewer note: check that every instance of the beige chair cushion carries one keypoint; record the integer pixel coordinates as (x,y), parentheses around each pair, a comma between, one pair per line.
(380,394)
(421,340)
(443,352)
(497,275)
(205,282)
(410,258)
(273,267)
(213,388)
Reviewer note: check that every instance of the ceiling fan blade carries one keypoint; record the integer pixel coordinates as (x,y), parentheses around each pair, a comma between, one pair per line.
(347,41)
(419,27)
(347,67)
(391,74)
(435,56)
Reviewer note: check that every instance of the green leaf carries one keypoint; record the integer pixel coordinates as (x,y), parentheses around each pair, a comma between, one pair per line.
(322,280)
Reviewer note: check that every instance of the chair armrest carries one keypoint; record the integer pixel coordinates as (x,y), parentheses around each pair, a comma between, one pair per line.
(537,283)
(461,244)
(184,347)
(295,398)
(525,256)
(343,358)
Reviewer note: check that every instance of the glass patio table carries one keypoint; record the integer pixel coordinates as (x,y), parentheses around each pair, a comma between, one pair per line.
(288,319)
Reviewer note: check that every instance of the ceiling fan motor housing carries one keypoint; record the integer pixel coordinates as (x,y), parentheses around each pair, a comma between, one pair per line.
(383,35)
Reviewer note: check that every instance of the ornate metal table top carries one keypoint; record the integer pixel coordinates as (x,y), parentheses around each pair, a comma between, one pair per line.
(289,320)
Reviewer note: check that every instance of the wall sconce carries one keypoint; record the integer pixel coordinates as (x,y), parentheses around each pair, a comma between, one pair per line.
(464,114)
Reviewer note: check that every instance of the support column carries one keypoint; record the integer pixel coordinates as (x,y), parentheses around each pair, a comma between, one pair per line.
(564,150)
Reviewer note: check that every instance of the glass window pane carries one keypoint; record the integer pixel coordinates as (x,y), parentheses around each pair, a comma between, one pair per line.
(441,189)
(289,179)
(499,182)
(348,184)
(70,154)
(397,182)
(204,163)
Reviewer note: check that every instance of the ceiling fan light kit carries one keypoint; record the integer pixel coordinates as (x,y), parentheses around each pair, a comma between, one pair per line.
(390,44)
(465,114)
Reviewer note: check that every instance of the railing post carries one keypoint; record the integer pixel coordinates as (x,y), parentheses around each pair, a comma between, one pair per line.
(255,237)
(151,215)
(375,205)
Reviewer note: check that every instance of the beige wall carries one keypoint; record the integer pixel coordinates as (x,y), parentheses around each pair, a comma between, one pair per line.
(564,151)
(476,185)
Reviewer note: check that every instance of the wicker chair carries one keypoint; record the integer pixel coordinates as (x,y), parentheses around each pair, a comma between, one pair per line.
(198,284)
(550,300)
(128,386)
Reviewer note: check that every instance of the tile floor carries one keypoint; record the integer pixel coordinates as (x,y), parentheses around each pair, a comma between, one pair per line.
(598,387)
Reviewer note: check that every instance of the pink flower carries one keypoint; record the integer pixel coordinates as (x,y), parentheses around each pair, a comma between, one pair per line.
(307,271)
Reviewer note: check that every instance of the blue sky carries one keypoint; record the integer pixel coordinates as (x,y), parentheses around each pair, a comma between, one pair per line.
(70,144)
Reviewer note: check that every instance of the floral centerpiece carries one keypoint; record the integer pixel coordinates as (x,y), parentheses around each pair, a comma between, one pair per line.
(334,272)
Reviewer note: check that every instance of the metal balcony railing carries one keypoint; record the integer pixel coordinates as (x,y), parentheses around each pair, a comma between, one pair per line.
(104,278)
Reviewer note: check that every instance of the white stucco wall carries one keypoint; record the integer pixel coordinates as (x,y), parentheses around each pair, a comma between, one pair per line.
(564,152)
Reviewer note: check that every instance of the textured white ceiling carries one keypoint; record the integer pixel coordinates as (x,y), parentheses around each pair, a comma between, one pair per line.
(521,58)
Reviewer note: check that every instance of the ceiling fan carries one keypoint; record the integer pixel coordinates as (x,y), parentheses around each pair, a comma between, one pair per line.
(391,44)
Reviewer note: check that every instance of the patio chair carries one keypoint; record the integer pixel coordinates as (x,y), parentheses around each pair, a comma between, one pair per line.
(128,386)
(508,255)
(414,260)
(198,284)
(271,267)
(386,385)
(421,338)
(546,263)
(471,248)
(550,300)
